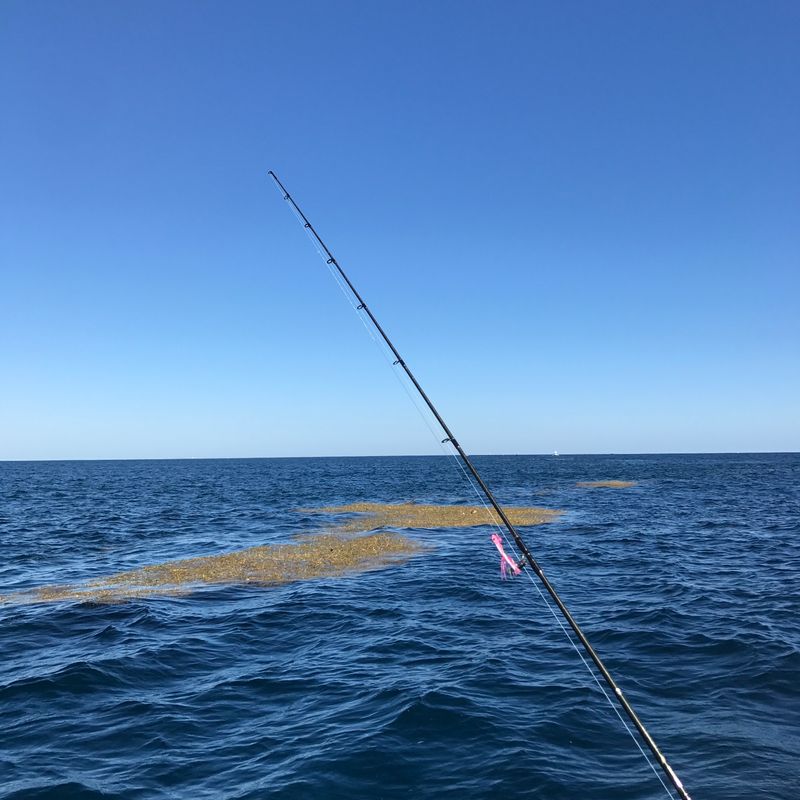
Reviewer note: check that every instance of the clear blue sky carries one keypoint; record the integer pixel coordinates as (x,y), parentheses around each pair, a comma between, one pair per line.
(578,221)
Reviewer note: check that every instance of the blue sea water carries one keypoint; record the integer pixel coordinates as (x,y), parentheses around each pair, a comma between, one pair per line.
(429,679)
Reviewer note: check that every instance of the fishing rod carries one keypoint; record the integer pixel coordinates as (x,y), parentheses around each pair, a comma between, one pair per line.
(528,559)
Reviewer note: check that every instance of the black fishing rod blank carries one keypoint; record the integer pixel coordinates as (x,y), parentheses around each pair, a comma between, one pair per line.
(528,559)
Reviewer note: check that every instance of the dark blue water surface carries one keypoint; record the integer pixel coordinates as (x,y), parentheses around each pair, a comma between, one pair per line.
(431,679)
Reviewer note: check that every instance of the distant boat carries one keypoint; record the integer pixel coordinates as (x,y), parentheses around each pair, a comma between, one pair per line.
(555,452)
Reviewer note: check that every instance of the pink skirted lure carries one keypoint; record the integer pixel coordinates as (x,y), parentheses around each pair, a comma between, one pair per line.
(506,562)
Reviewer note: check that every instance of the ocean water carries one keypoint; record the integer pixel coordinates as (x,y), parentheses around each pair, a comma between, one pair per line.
(429,679)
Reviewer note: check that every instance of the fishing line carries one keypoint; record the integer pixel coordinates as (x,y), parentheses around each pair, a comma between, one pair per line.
(564,630)
(382,348)
(467,466)
(599,685)
(490,516)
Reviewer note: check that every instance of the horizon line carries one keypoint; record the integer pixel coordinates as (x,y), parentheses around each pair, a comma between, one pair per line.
(401,455)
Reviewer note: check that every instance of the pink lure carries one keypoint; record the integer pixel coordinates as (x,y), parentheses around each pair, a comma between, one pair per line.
(506,562)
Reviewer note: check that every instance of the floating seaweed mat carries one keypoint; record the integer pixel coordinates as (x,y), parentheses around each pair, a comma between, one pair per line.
(311,556)
(606,484)
(372,516)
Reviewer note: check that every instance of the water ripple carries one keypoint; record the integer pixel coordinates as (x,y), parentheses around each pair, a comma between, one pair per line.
(432,678)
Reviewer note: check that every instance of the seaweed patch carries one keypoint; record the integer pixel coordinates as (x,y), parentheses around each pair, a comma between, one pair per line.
(310,556)
(372,516)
